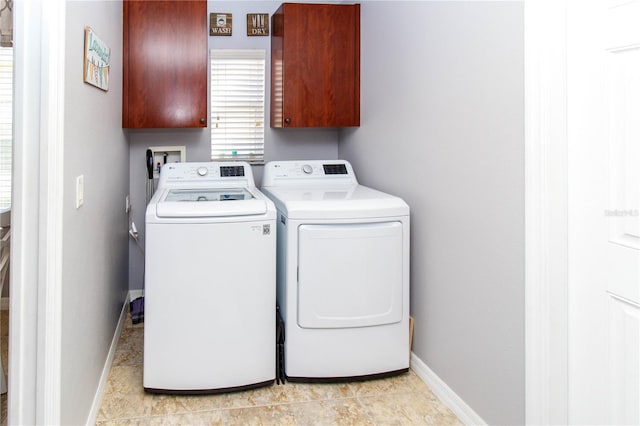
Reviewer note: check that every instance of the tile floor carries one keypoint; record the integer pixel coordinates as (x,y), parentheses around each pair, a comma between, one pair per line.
(401,400)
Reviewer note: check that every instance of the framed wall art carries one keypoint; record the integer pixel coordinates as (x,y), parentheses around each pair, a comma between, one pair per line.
(220,24)
(257,24)
(96,60)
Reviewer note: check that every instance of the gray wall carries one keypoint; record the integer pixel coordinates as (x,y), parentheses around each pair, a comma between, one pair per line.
(279,144)
(95,263)
(442,126)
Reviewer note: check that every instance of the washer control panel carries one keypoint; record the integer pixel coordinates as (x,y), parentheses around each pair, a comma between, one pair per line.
(209,173)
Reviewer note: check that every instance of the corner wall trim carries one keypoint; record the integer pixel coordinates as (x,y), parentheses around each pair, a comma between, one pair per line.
(448,397)
(546,214)
(102,384)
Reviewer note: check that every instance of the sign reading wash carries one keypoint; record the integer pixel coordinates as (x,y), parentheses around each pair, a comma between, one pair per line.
(96,60)
(220,24)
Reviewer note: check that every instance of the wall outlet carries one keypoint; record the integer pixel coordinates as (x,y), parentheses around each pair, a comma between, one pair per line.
(79,191)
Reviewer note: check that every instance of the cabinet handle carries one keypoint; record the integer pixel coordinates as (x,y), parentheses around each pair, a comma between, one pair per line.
(202,120)
(287,120)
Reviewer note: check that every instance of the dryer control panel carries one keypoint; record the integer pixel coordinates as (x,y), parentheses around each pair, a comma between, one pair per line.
(279,173)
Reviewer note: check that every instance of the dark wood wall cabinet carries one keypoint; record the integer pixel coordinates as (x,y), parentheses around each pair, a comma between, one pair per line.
(315,65)
(165,64)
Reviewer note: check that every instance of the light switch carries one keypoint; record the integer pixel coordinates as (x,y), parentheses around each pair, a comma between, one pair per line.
(79,191)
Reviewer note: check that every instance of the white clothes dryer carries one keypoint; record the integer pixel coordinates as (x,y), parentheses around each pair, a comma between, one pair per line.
(210,304)
(342,273)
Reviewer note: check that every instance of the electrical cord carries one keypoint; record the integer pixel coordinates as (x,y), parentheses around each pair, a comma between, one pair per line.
(150,181)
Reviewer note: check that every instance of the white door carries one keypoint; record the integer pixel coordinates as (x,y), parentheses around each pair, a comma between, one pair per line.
(603,89)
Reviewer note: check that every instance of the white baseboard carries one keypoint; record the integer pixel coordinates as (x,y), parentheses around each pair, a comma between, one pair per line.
(448,397)
(134,294)
(102,384)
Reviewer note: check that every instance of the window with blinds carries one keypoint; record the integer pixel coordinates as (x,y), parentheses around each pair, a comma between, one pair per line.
(237,105)
(6,132)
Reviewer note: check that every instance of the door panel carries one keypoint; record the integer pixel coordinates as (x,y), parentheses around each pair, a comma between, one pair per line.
(603,103)
(622,88)
(350,275)
(622,65)
(624,319)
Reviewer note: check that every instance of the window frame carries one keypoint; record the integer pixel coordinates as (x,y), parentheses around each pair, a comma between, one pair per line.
(235,122)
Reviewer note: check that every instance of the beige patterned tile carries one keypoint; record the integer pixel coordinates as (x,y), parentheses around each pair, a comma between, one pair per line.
(124,395)
(180,404)
(403,399)
(129,324)
(192,419)
(332,412)
(260,397)
(300,392)
(130,349)
(265,415)
(4,317)
(263,396)
(402,383)
(3,409)
(5,359)
(417,383)
(5,354)
(408,409)
(134,421)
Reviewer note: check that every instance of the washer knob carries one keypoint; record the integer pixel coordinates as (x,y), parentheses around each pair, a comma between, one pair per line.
(202,171)
(307,169)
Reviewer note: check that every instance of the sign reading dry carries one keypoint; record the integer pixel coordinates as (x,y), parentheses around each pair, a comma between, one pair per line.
(257,24)
(220,24)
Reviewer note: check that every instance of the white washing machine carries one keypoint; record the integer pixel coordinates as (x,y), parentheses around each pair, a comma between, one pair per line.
(210,254)
(342,274)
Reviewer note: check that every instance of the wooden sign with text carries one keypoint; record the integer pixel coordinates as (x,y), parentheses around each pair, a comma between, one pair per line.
(220,24)
(257,24)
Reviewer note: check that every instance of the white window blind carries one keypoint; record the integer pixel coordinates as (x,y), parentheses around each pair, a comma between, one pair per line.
(6,133)
(237,105)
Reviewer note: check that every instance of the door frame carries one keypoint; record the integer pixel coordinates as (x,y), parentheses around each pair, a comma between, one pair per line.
(34,378)
(37,212)
(546,213)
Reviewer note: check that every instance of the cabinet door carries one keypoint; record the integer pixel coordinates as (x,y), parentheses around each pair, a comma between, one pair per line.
(315,66)
(165,64)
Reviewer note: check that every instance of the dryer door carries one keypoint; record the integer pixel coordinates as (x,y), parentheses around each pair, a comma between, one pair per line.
(350,275)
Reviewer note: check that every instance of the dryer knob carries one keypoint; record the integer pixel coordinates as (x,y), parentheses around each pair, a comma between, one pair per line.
(202,171)
(307,169)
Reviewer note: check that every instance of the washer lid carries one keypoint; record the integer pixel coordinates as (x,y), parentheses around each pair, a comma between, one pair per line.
(209,202)
(355,201)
